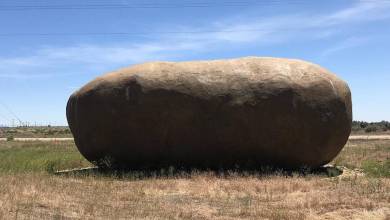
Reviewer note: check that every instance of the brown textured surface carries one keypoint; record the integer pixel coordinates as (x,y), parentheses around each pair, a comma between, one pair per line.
(213,113)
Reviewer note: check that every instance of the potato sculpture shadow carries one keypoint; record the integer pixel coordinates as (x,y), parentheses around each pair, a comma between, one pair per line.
(219,113)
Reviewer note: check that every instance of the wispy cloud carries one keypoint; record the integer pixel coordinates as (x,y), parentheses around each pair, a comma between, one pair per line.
(365,10)
(238,30)
(285,27)
(348,43)
(53,60)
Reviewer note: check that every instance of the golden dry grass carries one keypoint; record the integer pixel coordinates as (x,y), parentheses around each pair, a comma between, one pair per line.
(35,132)
(201,195)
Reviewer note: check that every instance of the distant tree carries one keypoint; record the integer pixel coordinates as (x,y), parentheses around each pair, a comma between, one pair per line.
(385,125)
(364,124)
(370,126)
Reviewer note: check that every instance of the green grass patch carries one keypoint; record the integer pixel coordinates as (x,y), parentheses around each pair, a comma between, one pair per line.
(39,157)
(358,153)
(18,157)
(377,168)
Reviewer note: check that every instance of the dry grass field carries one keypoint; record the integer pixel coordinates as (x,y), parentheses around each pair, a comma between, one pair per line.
(30,190)
(36,132)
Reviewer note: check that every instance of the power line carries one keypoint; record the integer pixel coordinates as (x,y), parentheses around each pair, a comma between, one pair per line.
(11,112)
(141,33)
(154,5)
(5,118)
(144,5)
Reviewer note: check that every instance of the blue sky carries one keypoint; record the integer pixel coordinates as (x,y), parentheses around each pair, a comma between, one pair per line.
(39,72)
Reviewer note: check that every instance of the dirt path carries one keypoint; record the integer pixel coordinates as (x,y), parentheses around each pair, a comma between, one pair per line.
(39,139)
(353,137)
(369,137)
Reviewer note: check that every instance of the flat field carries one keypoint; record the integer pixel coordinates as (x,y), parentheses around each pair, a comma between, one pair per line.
(64,132)
(36,132)
(30,189)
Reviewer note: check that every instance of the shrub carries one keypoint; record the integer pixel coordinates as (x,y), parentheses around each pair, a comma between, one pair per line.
(10,138)
(363,124)
(371,128)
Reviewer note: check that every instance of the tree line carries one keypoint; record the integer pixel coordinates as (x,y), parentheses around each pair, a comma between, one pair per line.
(370,126)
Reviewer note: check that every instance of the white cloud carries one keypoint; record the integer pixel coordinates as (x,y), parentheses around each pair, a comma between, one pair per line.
(348,43)
(285,27)
(52,60)
(254,30)
(365,10)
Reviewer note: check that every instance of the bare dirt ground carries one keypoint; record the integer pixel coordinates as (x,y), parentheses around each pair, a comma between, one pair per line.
(53,139)
(369,137)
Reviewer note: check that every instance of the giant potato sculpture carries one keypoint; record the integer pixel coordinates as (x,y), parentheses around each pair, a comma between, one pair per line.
(212,114)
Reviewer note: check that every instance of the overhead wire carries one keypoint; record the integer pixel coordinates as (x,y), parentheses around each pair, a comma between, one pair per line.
(11,112)
(140,33)
(143,5)
(150,5)
(4,117)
